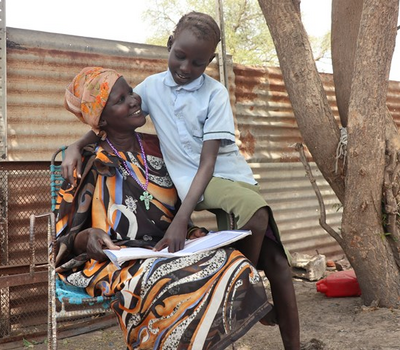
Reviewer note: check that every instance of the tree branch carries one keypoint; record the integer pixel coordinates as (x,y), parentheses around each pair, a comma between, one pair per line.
(296,4)
(322,219)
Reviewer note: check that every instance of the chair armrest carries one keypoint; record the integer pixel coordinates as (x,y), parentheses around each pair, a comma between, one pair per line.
(51,230)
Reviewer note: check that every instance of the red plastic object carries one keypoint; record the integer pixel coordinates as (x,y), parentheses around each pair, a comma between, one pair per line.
(339,284)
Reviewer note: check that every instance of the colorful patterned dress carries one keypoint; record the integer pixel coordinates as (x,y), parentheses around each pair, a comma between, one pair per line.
(202,301)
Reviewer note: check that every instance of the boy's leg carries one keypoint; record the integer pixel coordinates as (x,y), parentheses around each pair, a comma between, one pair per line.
(271,258)
(275,265)
(234,197)
(252,212)
(250,246)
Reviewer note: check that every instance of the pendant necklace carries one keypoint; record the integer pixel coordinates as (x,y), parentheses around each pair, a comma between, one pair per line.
(146,197)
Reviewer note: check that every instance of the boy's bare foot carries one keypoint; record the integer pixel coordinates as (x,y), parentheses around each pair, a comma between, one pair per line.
(270,319)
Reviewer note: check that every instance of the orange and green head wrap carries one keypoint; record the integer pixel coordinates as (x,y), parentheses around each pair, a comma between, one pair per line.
(87,94)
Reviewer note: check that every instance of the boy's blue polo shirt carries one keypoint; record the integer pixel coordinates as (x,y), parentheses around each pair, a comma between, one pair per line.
(186,115)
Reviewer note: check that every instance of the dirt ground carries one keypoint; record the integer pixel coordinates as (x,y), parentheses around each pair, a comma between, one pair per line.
(326,323)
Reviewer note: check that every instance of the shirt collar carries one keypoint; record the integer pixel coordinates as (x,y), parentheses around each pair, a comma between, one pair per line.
(193,86)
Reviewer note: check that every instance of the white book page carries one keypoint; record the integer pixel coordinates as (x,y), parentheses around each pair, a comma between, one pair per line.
(211,241)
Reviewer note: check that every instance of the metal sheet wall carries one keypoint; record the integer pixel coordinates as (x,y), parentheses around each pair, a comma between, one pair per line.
(268,133)
(296,211)
(39,66)
(3,79)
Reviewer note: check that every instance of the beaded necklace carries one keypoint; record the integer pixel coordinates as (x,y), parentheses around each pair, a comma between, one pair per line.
(146,197)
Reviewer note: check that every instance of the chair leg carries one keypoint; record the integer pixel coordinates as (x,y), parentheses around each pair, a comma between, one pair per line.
(52,327)
(51,314)
(225,221)
(52,317)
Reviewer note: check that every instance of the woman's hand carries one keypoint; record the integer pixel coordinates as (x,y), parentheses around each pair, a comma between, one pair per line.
(93,241)
(197,232)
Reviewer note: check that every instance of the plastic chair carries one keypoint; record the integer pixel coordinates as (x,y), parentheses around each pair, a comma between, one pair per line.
(61,296)
(56,179)
(225,221)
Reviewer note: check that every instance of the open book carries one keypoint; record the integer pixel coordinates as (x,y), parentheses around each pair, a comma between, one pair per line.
(213,240)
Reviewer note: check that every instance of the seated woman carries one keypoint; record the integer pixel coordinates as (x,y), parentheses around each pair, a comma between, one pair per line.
(125,197)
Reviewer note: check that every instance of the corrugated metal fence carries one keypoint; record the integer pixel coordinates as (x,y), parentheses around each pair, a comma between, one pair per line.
(39,66)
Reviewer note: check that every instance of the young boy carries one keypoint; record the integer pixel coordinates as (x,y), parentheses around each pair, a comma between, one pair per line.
(192,116)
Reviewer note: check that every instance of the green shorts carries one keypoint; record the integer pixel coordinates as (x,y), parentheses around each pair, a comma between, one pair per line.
(239,198)
(242,200)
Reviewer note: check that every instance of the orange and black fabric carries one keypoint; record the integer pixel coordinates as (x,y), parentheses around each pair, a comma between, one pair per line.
(202,301)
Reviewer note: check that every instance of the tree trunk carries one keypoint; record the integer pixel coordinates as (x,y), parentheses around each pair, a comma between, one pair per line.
(346,18)
(362,227)
(363,110)
(305,89)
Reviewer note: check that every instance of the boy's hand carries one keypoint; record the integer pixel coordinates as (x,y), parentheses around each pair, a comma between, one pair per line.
(71,162)
(174,238)
(73,157)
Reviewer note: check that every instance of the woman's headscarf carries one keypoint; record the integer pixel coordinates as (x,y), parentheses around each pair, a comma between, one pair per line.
(87,94)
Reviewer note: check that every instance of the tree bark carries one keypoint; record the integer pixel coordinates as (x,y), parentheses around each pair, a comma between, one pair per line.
(346,17)
(362,100)
(362,226)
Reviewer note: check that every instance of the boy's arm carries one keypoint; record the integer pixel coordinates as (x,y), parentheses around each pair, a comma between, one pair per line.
(73,157)
(175,236)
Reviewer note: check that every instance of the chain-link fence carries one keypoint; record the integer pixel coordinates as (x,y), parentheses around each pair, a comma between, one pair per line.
(24,189)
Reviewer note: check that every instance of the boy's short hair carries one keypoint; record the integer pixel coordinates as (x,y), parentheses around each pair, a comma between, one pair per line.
(202,25)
